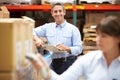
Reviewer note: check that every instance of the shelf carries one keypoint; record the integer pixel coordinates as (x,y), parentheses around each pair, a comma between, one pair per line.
(28,7)
(103,7)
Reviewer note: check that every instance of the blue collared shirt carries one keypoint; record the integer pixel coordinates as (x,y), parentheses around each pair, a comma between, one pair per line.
(64,33)
(93,67)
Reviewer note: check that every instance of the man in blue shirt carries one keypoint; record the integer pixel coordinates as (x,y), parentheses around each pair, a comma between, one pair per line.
(63,35)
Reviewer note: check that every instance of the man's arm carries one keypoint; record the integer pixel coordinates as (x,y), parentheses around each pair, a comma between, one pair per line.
(38,41)
(76,49)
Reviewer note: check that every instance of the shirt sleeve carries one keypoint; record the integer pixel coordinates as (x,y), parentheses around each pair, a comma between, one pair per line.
(73,73)
(77,42)
(40,31)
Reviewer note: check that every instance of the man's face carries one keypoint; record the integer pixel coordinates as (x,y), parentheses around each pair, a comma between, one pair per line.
(58,14)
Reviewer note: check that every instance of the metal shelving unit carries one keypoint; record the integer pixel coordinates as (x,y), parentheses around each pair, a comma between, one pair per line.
(103,7)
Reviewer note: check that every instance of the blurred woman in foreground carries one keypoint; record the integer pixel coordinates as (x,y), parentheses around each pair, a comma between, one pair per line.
(103,64)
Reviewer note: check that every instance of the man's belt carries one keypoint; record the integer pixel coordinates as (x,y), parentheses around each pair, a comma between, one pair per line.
(66,58)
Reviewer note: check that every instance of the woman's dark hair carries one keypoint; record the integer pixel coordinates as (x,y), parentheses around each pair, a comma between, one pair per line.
(110,25)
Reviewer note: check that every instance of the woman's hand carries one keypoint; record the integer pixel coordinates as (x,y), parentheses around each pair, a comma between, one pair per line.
(42,67)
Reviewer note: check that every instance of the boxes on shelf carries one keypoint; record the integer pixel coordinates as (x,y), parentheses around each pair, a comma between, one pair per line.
(115,1)
(89,40)
(16,41)
(35,1)
(15,2)
(89,28)
(95,1)
(94,17)
(4,13)
(55,1)
(44,2)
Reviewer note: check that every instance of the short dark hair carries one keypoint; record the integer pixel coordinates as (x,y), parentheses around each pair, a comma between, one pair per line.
(60,4)
(110,25)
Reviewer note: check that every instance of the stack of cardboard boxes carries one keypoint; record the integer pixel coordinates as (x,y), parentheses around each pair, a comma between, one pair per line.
(89,40)
(16,40)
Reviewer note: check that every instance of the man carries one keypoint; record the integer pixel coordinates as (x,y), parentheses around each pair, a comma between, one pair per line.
(63,35)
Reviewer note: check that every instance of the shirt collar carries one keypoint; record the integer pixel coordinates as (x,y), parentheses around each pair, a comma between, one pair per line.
(101,56)
(61,25)
(119,58)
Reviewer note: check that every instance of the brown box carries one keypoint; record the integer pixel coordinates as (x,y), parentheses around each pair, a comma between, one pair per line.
(28,36)
(44,2)
(4,13)
(25,73)
(8,76)
(90,27)
(94,17)
(14,43)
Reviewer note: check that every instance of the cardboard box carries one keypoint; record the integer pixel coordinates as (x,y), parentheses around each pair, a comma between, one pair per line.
(14,43)
(25,73)
(94,17)
(11,44)
(89,28)
(4,13)
(28,36)
(15,2)
(44,2)
(8,76)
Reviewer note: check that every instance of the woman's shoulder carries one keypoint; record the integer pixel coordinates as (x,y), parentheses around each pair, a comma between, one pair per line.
(92,55)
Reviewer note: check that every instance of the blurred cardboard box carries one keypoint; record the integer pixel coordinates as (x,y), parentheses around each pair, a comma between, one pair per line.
(90,27)
(94,17)
(55,1)
(16,41)
(44,2)
(8,76)
(29,24)
(4,13)
(15,2)
(25,73)
(116,2)
(89,40)
(59,1)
